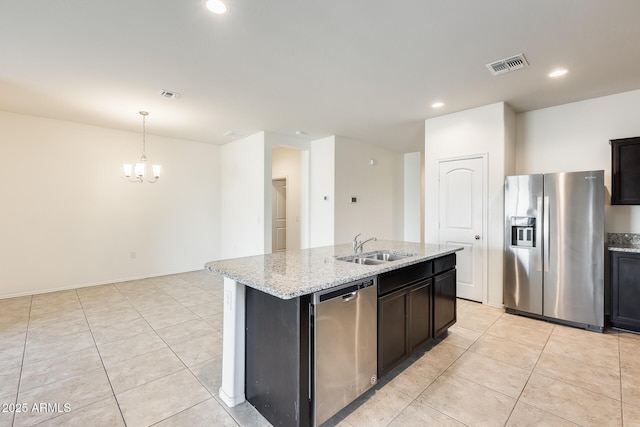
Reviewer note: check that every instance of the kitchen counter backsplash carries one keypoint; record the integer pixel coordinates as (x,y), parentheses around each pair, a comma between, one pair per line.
(624,242)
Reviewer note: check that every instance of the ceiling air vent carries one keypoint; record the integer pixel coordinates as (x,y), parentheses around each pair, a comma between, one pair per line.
(506,65)
(169,94)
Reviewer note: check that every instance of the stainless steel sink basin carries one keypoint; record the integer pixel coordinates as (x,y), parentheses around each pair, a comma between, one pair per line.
(390,256)
(363,260)
(375,258)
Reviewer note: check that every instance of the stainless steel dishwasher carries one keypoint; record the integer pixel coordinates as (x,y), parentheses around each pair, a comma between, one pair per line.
(344,346)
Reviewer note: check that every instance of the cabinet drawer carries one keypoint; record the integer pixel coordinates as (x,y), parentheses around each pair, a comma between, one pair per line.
(388,282)
(444,263)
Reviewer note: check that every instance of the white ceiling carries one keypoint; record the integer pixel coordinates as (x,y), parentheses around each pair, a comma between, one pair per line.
(365,69)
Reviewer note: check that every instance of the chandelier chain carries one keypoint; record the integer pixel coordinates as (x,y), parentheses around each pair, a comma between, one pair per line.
(144,115)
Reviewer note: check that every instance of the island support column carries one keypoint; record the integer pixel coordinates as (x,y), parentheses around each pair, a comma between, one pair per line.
(233,340)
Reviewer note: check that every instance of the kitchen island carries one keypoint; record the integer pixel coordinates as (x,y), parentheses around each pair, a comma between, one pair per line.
(268,316)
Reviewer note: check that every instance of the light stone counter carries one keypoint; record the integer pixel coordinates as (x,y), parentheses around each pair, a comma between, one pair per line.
(624,242)
(294,273)
(288,275)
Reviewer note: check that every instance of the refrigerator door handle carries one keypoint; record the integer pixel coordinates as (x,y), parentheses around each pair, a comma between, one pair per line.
(545,228)
(540,244)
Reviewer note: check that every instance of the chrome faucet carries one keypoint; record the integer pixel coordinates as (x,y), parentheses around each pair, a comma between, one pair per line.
(359,245)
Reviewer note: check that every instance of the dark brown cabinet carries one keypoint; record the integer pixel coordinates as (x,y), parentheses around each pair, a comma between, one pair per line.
(625,171)
(392,330)
(404,324)
(419,327)
(625,290)
(415,304)
(444,294)
(444,302)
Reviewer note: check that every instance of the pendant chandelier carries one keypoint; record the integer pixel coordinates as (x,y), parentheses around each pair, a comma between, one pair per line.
(141,166)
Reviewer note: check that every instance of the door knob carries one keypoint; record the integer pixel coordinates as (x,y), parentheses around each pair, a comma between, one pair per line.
(477,237)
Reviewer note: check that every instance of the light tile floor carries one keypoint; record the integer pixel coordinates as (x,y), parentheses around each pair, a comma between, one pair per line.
(148,352)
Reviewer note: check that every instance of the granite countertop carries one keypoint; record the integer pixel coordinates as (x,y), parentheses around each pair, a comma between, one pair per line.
(294,273)
(624,242)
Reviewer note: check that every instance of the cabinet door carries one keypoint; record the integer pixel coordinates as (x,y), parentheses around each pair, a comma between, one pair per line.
(392,336)
(625,171)
(625,291)
(419,328)
(444,302)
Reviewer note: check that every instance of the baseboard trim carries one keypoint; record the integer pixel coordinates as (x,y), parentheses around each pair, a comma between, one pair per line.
(90,284)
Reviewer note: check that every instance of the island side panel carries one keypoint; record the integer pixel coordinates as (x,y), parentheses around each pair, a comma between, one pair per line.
(232,388)
(277,358)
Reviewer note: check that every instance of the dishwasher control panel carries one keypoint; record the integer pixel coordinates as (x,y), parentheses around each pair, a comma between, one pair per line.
(343,290)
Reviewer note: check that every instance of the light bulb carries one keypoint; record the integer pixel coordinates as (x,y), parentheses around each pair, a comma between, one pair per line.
(156,171)
(128,168)
(216,6)
(140,167)
(558,73)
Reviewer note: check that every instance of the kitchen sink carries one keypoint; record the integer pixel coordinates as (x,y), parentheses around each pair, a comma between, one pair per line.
(375,258)
(363,260)
(390,256)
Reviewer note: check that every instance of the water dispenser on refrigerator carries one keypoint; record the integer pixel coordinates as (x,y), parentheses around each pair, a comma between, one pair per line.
(523,231)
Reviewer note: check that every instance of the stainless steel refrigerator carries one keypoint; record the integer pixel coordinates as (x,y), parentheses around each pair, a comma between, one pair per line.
(554,247)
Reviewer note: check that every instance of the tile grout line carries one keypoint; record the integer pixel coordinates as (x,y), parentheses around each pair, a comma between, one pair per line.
(184,364)
(225,408)
(620,372)
(101,360)
(156,331)
(47,359)
(24,353)
(468,349)
(172,351)
(78,298)
(560,380)
(438,342)
(530,374)
(529,378)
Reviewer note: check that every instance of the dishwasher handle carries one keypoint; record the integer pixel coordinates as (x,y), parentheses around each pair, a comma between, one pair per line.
(347,292)
(350,296)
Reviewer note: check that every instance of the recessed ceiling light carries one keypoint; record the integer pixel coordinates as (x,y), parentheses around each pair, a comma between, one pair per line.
(558,73)
(437,105)
(216,6)
(234,134)
(300,132)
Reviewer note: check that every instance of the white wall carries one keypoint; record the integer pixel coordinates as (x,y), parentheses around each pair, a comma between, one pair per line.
(322,192)
(574,137)
(378,188)
(245,171)
(476,131)
(287,163)
(302,145)
(413,197)
(69,218)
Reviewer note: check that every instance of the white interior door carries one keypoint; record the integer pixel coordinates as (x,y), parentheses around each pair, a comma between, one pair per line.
(279,215)
(462,184)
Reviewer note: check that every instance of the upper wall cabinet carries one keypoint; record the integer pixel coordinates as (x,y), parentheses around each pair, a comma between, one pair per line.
(625,171)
